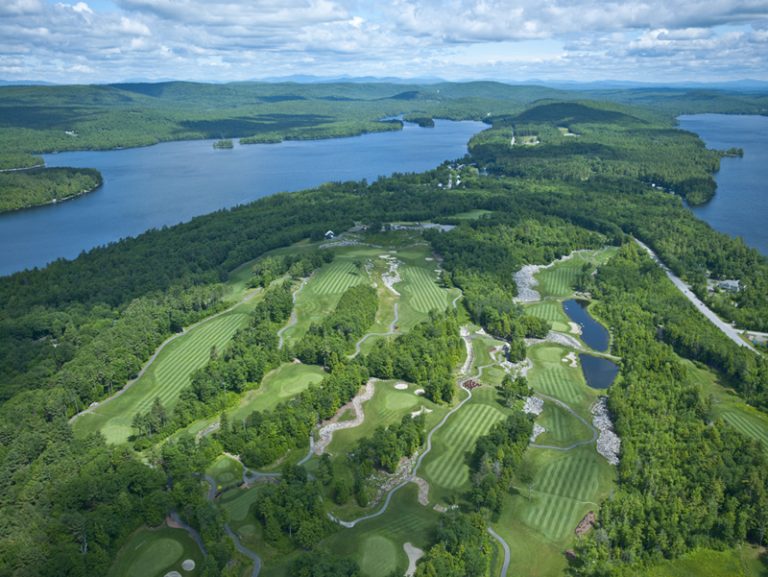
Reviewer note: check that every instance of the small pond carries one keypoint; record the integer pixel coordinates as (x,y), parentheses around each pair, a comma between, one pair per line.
(598,372)
(593,333)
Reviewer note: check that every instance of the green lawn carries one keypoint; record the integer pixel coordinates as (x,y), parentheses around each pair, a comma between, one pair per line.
(558,281)
(445,468)
(551,376)
(165,379)
(155,552)
(226,471)
(551,311)
(286,381)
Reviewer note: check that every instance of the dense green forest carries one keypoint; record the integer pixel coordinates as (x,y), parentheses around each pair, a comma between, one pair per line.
(684,481)
(75,332)
(25,188)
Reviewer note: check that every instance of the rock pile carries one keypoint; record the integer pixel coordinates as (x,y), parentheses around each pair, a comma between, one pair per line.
(533,406)
(608,442)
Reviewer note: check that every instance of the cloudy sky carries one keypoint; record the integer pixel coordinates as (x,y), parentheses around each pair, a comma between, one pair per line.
(507,40)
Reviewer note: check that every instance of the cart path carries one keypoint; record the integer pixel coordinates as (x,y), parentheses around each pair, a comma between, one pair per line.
(392,331)
(294,316)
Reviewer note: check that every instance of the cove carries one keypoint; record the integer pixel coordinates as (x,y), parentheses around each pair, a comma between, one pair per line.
(740,205)
(172,182)
(598,372)
(593,333)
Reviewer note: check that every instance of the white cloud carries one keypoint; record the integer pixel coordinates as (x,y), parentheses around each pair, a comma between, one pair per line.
(504,39)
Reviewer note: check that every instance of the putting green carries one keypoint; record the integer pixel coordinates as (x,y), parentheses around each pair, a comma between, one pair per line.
(379,556)
(155,552)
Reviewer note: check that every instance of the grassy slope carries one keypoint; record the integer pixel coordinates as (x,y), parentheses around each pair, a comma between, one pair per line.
(166,377)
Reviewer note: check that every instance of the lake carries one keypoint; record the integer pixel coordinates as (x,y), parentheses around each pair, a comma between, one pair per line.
(598,372)
(594,334)
(172,182)
(740,206)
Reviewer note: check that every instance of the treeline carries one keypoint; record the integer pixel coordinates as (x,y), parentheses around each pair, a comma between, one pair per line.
(116,353)
(269,268)
(462,548)
(495,461)
(292,510)
(387,445)
(683,481)
(252,352)
(425,356)
(263,437)
(26,188)
(327,343)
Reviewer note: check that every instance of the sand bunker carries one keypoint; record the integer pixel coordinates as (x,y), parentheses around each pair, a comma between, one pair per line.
(422,411)
(419,392)
(401,386)
(188,565)
(173,574)
(414,554)
(571,359)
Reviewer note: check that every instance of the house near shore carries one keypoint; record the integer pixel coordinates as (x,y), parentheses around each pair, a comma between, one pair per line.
(330,235)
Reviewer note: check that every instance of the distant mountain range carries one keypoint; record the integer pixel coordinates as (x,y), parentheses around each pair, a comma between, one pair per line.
(745,85)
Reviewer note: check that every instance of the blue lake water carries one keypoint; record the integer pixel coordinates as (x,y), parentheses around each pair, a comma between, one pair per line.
(598,372)
(593,333)
(172,182)
(740,206)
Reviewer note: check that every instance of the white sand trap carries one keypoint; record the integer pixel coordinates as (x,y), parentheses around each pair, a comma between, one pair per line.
(401,387)
(188,565)
(571,359)
(173,574)
(429,258)
(414,554)
(422,411)
(419,392)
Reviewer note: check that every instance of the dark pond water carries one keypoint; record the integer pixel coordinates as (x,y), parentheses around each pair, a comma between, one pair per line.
(598,372)
(740,206)
(593,333)
(172,182)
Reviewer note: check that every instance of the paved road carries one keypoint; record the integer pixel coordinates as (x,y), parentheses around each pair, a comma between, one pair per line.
(727,329)
(507,554)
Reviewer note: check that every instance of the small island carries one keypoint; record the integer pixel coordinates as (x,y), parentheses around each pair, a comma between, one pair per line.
(223,144)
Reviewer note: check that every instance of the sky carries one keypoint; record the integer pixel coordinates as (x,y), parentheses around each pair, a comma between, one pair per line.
(659,41)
